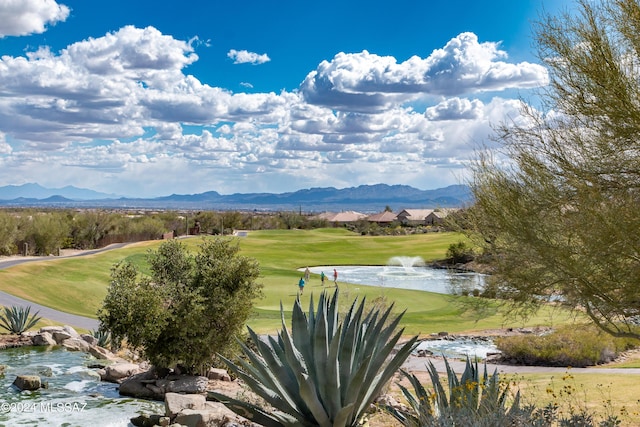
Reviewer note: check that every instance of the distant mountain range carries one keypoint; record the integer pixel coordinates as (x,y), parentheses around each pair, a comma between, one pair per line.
(364,198)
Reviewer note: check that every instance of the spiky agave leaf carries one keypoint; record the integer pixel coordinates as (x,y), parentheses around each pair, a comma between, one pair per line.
(420,412)
(16,319)
(337,368)
(254,413)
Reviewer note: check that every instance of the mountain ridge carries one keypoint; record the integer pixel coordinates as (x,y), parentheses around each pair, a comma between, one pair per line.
(374,197)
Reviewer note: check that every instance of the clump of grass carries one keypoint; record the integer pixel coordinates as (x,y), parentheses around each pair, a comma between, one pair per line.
(577,346)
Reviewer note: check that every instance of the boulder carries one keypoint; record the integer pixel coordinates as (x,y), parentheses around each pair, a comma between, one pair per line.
(218,374)
(76,344)
(142,385)
(210,417)
(135,388)
(69,329)
(174,403)
(43,338)
(27,382)
(90,339)
(119,371)
(60,336)
(147,420)
(101,353)
(51,329)
(190,384)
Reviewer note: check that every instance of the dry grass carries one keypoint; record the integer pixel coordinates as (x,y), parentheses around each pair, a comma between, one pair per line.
(600,394)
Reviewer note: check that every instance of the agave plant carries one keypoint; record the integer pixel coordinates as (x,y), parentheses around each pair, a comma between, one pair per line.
(326,372)
(17,320)
(103,337)
(471,400)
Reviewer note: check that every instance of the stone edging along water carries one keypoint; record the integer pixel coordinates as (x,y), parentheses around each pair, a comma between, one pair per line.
(184,395)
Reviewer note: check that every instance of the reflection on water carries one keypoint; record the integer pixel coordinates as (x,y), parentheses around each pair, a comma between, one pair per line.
(416,277)
(75,396)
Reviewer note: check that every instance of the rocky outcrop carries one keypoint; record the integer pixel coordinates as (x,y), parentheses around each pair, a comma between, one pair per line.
(191,410)
(218,374)
(148,385)
(75,344)
(195,410)
(43,339)
(70,339)
(119,372)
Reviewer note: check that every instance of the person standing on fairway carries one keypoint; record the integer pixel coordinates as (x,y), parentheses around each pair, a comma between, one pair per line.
(322,277)
(301,285)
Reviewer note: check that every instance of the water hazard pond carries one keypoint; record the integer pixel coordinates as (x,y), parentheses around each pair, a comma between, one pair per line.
(75,395)
(411,273)
(420,278)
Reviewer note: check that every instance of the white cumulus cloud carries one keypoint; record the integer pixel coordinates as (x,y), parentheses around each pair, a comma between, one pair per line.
(23,17)
(246,57)
(455,109)
(370,82)
(122,107)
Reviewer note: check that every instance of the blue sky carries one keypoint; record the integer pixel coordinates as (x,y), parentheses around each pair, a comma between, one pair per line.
(149,98)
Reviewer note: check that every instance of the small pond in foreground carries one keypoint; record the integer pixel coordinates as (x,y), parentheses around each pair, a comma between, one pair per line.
(75,395)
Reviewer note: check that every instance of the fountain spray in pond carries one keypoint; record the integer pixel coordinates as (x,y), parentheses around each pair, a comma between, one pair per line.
(407,262)
(404,266)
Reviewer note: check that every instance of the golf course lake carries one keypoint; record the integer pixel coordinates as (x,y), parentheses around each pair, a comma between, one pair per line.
(416,277)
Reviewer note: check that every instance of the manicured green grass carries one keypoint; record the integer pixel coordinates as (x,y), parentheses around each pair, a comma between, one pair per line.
(78,285)
(75,285)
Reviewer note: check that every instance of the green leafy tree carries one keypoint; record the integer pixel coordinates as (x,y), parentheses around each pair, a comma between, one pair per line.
(89,228)
(189,308)
(46,232)
(459,252)
(557,207)
(9,233)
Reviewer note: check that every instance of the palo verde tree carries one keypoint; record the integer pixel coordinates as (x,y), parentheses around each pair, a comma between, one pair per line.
(190,306)
(561,216)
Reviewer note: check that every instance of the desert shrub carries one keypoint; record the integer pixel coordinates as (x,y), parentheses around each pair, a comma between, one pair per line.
(567,346)
(459,253)
(190,307)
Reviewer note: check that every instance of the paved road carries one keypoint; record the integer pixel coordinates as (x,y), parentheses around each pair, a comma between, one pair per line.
(9,300)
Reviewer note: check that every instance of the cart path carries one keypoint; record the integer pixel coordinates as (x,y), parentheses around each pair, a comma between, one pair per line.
(87,323)
(9,300)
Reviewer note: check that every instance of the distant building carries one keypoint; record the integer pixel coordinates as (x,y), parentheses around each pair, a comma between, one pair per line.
(383,218)
(340,218)
(414,216)
(437,216)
